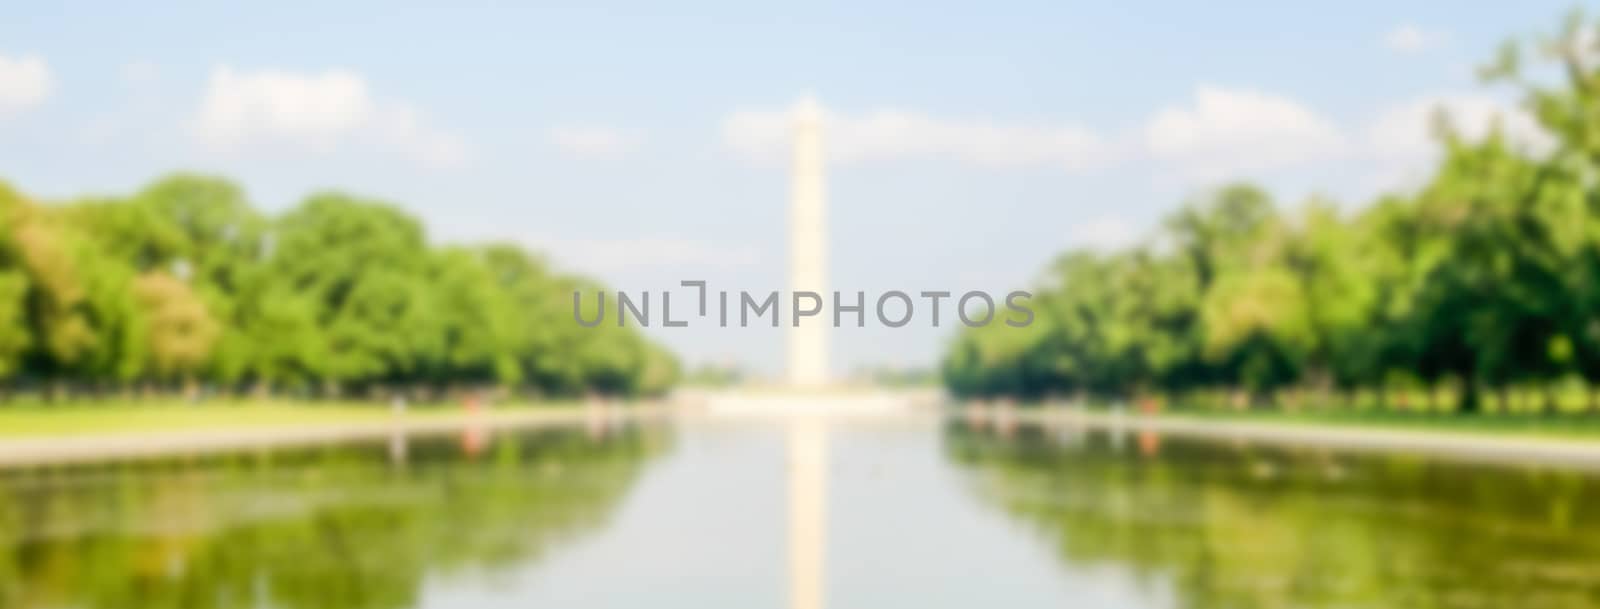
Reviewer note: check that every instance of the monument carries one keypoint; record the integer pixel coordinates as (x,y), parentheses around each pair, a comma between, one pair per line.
(808,247)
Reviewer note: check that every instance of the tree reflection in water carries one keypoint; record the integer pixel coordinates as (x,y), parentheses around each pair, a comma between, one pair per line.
(1243,526)
(339,526)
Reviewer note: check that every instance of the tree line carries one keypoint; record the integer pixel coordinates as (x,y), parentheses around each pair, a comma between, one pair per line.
(185,286)
(1480,285)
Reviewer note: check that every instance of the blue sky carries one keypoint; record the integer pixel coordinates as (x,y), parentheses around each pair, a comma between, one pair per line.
(970,144)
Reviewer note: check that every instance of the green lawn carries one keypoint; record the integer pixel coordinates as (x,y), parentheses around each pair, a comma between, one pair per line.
(1566,425)
(73,418)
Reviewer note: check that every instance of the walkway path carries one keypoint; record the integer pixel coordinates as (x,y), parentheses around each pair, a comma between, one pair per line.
(94,447)
(1449,444)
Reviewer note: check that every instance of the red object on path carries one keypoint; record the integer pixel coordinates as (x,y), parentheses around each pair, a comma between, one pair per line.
(1147,406)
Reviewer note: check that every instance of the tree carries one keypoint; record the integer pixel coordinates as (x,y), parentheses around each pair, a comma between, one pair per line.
(15,335)
(1333,266)
(1565,200)
(362,263)
(186,281)
(472,320)
(181,331)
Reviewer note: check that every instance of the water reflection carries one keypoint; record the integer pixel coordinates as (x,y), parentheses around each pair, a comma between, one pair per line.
(1230,525)
(345,526)
(808,516)
(867,516)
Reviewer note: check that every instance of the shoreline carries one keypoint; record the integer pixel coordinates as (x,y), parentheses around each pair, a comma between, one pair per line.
(114,446)
(1451,444)
(1455,445)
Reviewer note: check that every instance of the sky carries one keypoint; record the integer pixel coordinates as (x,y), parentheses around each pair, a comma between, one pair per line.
(969,144)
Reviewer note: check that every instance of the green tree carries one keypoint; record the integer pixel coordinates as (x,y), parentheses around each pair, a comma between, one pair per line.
(363,265)
(181,331)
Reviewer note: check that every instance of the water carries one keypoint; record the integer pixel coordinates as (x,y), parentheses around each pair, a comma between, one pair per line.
(915,513)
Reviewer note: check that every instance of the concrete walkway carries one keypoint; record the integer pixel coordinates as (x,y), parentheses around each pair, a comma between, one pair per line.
(1481,447)
(109,446)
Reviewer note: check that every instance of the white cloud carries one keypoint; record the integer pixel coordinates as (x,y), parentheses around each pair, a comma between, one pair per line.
(1224,131)
(319,111)
(241,106)
(758,135)
(1401,138)
(644,253)
(1103,233)
(1406,130)
(899,135)
(590,142)
(25,82)
(403,126)
(1219,133)
(1410,39)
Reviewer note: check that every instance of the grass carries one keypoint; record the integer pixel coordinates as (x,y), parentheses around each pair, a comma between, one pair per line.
(1564,425)
(35,419)
(1518,411)
(43,419)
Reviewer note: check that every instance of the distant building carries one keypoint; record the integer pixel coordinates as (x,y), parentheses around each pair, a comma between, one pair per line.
(808,247)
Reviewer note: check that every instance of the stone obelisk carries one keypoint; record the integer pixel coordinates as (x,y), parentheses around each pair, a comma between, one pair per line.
(808,248)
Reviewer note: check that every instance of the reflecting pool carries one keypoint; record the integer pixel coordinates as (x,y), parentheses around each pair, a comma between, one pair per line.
(352,526)
(913,512)
(1215,524)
